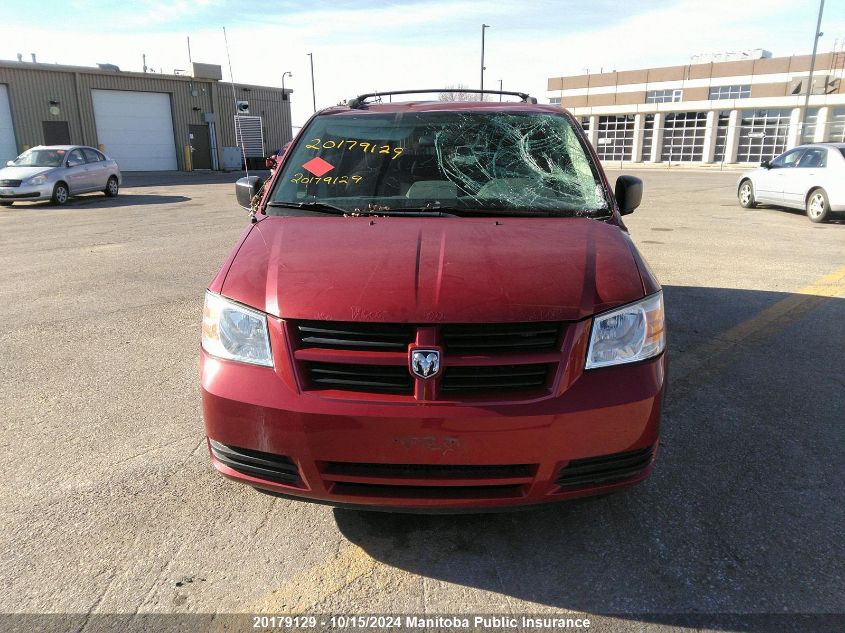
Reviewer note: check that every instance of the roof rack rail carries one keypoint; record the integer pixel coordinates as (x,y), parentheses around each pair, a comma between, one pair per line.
(359,101)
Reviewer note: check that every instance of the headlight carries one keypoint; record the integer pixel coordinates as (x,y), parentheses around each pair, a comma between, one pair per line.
(628,334)
(37,180)
(235,332)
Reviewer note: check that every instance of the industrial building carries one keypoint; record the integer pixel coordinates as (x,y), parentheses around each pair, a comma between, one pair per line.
(145,121)
(725,108)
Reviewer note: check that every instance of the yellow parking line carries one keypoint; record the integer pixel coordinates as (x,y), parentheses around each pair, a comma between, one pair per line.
(764,324)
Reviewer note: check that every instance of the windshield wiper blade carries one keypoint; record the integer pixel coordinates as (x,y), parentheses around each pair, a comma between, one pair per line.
(311,206)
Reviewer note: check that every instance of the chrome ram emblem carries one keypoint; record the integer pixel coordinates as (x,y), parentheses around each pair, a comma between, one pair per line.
(425,363)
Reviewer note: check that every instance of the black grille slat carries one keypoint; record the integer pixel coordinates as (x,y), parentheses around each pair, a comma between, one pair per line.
(427,471)
(494,378)
(493,338)
(270,466)
(10,183)
(604,468)
(366,378)
(356,336)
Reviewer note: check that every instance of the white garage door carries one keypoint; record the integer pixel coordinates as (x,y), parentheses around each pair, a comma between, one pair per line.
(136,129)
(8,147)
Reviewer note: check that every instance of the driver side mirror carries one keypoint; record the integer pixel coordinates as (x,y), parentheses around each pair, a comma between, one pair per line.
(10,163)
(766,164)
(246,189)
(629,193)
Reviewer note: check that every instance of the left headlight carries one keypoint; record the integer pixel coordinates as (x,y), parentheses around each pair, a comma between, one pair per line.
(629,334)
(37,180)
(235,332)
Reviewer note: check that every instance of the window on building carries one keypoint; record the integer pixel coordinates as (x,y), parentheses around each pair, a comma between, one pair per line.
(683,136)
(648,136)
(809,131)
(615,138)
(730,92)
(762,134)
(721,137)
(664,96)
(837,125)
(554,100)
(585,123)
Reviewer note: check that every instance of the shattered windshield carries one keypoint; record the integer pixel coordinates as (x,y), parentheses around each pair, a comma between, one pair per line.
(507,162)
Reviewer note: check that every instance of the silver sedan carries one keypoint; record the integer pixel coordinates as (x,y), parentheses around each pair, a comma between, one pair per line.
(57,172)
(809,177)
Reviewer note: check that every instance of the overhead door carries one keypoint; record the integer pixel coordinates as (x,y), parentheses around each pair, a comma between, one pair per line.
(8,146)
(136,129)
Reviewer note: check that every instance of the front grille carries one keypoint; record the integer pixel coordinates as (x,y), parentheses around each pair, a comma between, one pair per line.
(388,337)
(591,471)
(269,466)
(357,377)
(428,481)
(494,378)
(10,183)
(500,338)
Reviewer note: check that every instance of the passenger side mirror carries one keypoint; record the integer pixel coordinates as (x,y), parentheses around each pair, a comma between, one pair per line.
(246,189)
(766,165)
(629,193)
(10,163)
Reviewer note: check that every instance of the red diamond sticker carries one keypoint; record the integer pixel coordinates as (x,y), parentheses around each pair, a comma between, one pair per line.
(318,166)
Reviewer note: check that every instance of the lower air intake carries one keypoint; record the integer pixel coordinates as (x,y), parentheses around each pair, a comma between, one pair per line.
(591,471)
(269,466)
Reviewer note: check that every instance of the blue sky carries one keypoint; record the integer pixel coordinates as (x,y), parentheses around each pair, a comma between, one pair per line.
(394,44)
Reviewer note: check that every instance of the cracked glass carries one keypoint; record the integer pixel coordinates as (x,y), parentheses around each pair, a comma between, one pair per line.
(469,162)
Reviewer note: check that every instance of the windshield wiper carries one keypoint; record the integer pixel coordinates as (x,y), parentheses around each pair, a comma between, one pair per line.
(311,206)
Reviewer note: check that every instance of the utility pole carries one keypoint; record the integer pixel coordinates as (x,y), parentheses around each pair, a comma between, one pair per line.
(500,90)
(816,37)
(313,94)
(483,28)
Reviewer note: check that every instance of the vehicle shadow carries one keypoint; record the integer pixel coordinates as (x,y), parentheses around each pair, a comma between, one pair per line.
(835,217)
(101,201)
(743,513)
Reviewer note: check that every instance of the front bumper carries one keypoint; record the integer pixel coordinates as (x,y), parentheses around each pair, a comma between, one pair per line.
(26,193)
(432,456)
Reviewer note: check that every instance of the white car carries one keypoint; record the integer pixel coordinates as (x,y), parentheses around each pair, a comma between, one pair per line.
(57,172)
(809,177)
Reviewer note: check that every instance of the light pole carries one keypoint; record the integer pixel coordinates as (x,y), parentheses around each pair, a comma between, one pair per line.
(287,73)
(483,28)
(816,37)
(500,91)
(313,94)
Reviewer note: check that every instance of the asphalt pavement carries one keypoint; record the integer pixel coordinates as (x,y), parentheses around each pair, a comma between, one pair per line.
(109,503)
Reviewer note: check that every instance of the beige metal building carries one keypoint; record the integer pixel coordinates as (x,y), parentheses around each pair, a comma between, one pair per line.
(728,108)
(146,121)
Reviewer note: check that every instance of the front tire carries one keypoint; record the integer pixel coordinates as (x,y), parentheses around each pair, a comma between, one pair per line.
(111,188)
(60,194)
(746,195)
(6,203)
(818,206)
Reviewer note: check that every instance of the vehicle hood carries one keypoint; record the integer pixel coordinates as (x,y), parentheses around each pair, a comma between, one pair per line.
(430,270)
(22,173)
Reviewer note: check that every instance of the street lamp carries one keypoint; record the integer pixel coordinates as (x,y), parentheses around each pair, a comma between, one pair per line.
(500,90)
(816,37)
(287,73)
(313,94)
(483,28)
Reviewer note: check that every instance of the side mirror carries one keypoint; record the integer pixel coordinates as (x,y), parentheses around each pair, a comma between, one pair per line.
(10,163)
(246,189)
(629,193)
(766,164)
(270,163)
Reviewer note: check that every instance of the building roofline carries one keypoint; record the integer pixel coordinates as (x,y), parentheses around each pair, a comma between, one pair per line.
(92,70)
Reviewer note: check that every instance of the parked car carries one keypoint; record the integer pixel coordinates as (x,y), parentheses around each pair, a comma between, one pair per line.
(436,306)
(809,177)
(57,172)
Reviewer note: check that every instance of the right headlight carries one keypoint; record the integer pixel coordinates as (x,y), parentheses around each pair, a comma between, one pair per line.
(235,332)
(628,334)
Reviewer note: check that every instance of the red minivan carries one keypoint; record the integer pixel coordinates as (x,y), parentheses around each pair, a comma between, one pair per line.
(436,306)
